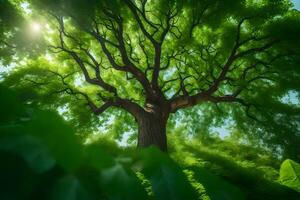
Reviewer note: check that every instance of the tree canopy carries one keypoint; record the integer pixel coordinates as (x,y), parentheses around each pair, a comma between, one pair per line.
(224,60)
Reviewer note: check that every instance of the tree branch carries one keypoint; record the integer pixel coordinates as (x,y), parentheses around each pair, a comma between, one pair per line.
(186,100)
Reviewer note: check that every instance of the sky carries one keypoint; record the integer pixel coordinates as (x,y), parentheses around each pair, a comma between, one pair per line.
(297,4)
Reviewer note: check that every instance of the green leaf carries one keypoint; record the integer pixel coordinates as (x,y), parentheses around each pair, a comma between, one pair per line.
(289,174)
(96,157)
(167,179)
(121,183)
(70,188)
(35,153)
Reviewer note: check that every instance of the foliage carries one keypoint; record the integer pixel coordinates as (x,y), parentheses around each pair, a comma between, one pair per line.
(290,174)
(86,74)
(195,38)
(51,163)
(43,159)
(16,39)
(255,171)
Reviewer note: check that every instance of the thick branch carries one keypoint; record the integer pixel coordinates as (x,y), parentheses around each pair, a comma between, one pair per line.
(134,11)
(158,48)
(131,107)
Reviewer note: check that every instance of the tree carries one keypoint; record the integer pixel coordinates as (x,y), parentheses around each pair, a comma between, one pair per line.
(9,18)
(153,58)
(15,41)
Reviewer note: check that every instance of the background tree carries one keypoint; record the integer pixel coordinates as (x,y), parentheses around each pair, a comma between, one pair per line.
(153,59)
(9,20)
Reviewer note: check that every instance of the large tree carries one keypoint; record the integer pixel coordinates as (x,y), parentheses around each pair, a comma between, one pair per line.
(153,58)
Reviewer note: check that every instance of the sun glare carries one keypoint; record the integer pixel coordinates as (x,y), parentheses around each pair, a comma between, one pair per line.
(35,27)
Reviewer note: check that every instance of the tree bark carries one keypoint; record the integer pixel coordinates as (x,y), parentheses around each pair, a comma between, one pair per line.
(152,131)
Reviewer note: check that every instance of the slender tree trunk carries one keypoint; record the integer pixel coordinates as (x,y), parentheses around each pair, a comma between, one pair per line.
(152,131)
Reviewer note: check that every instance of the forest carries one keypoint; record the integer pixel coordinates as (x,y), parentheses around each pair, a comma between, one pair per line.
(150,99)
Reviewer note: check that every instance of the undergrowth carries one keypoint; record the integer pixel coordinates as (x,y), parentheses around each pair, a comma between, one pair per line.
(41,158)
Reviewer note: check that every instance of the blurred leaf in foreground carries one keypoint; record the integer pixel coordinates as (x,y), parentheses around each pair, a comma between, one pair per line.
(290,174)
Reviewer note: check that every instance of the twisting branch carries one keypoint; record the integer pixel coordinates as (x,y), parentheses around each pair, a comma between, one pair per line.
(186,100)
(135,11)
(108,30)
(231,98)
(95,81)
(116,101)
(171,14)
(128,66)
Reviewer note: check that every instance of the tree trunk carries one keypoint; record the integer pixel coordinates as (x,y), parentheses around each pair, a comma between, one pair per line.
(152,131)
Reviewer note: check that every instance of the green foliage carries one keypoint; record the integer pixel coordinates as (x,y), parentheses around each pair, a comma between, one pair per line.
(39,142)
(46,157)
(9,18)
(41,158)
(16,39)
(253,170)
(215,187)
(290,174)
(195,52)
(164,175)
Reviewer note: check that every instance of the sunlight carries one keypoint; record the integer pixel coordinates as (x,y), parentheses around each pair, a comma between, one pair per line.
(35,27)
(26,7)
